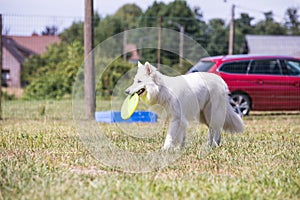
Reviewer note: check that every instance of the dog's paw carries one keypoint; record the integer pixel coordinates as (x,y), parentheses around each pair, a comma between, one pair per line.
(171,148)
(217,143)
(167,147)
(213,144)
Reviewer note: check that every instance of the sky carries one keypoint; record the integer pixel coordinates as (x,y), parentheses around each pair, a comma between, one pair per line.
(22,17)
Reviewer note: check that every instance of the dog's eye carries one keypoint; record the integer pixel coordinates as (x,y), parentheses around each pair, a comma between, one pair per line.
(139,81)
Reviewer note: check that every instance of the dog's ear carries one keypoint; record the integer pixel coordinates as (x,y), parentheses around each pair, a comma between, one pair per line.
(149,68)
(140,64)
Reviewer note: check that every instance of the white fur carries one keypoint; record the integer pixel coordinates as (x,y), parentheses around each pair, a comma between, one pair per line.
(200,96)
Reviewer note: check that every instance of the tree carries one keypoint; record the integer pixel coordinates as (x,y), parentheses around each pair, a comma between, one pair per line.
(218,40)
(38,65)
(51,75)
(175,14)
(269,26)
(75,31)
(292,22)
(149,18)
(244,23)
(50,30)
(130,14)
(108,27)
(111,76)
(179,12)
(243,26)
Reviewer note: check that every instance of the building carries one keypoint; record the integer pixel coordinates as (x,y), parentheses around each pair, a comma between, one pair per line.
(133,57)
(16,49)
(273,44)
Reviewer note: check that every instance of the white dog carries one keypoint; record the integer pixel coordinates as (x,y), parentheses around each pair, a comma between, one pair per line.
(200,96)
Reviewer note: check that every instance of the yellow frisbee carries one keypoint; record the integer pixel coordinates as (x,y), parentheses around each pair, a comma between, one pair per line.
(129,106)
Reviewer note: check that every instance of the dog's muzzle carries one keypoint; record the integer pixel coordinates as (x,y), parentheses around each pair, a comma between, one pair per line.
(140,91)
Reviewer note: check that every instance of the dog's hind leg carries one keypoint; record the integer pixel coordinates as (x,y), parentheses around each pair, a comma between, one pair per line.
(214,137)
(210,137)
(217,137)
(215,117)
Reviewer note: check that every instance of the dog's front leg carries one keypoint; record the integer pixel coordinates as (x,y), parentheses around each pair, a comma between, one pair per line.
(175,135)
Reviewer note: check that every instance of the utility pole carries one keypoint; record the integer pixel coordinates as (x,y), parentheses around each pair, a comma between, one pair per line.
(89,71)
(231,32)
(159,42)
(181,46)
(124,45)
(140,46)
(181,40)
(1,66)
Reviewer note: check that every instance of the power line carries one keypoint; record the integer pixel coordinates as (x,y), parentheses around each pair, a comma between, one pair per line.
(258,11)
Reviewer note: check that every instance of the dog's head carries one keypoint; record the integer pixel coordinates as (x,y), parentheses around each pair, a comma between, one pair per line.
(144,82)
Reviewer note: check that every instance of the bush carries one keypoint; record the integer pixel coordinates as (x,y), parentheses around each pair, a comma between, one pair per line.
(6,96)
(111,75)
(52,75)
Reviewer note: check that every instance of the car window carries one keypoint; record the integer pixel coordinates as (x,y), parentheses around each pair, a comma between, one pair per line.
(271,67)
(235,67)
(292,67)
(202,66)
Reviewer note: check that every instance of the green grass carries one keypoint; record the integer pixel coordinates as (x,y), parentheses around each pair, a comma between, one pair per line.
(41,157)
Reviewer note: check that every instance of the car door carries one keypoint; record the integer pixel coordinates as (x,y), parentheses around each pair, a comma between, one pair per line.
(268,85)
(235,75)
(291,71)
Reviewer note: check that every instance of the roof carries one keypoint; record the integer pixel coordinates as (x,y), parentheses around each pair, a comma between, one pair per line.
(22,47)
(273,44)
(36,43)
(18,51)
(133,50)
(245,57)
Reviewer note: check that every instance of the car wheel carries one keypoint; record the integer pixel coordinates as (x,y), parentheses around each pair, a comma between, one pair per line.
(240,103)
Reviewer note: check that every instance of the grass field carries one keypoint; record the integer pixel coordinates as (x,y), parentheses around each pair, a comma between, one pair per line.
(41,157)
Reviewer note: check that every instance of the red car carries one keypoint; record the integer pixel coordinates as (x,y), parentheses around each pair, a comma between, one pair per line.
(257,82)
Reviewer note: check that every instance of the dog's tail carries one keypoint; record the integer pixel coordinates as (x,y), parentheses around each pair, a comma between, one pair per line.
(233,122)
